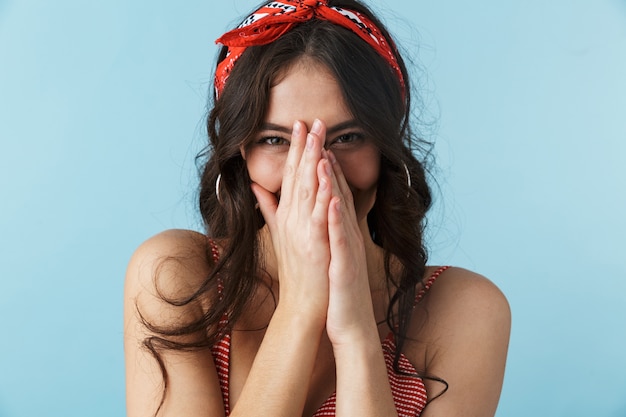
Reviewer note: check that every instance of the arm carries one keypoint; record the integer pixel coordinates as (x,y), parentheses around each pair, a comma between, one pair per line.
(278,382)
(362,383)
(193,388)
(467,327)
(279,378)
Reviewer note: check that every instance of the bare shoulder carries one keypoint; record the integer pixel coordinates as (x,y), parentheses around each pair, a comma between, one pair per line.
(464,324)
(460,306)
(168,266)
(171,243)
(163,270)
(460,291)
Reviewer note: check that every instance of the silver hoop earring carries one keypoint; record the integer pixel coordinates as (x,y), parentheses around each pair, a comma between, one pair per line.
(217,187)
(408,178)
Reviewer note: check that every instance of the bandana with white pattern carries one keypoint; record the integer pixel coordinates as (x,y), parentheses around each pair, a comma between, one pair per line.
(276,18)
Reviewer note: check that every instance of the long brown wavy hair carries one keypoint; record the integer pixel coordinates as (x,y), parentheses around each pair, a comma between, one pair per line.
(376,99)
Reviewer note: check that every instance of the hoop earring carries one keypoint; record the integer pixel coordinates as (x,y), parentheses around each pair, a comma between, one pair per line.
(217,187)
(408,179)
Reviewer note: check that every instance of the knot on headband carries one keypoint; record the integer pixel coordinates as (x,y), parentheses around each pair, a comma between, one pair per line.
(276,18)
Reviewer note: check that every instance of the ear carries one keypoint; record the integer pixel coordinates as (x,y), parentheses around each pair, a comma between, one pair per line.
(242,150)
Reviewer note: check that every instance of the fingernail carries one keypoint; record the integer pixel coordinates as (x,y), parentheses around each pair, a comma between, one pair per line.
(332,158)
(296,128)
(317,127)
(327,169)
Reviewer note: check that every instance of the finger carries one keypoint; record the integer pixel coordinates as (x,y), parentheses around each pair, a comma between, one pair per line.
(344,188)
(319,216)
(307,178)
(268,203)
(337,233)
(296,147)
(338,211)
(346,245)
(340,187)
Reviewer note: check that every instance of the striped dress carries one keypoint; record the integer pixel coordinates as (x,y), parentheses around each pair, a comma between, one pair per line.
(409,392)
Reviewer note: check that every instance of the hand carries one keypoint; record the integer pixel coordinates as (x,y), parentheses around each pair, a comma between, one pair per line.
(350,312)
(298,223)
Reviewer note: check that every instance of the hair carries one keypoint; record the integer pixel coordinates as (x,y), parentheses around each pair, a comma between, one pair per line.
(376,99)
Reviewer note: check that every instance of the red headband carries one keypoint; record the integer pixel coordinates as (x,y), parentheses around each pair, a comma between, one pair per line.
(276,18)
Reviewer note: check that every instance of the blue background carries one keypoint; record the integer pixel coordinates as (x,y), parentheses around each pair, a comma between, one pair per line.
(101,107)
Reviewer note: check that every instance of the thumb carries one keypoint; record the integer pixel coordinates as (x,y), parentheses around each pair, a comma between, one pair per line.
(268,203)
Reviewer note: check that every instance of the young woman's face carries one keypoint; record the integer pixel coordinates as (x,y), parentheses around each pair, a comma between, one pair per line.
(308,92)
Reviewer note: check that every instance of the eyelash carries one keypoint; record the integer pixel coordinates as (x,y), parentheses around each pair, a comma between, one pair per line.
(269,140)
(346,138)
(352,136)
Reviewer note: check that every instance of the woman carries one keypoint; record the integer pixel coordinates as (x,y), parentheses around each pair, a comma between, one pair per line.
(310,293)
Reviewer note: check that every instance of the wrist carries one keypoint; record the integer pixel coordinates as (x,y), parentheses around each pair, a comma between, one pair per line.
(302,318)
(351,334)
(353,345)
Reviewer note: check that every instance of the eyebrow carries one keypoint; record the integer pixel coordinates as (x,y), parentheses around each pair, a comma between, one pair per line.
(348,124)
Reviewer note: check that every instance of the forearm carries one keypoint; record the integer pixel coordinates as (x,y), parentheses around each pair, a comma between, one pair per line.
(362,383)
(278,381)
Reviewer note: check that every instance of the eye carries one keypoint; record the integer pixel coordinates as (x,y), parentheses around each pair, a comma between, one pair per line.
(273,141)
(348,138)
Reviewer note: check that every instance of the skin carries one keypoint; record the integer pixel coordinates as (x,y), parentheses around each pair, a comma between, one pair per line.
(314,175)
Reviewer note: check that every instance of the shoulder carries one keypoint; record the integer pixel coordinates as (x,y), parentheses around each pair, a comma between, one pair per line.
(463,305)
(168,266)
(165,270)
(459,290)
(172,242)
(463,325)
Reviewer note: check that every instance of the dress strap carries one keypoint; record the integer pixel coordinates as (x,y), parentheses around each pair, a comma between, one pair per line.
(216,257)
(214,250)
(220,284)
(429,282)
